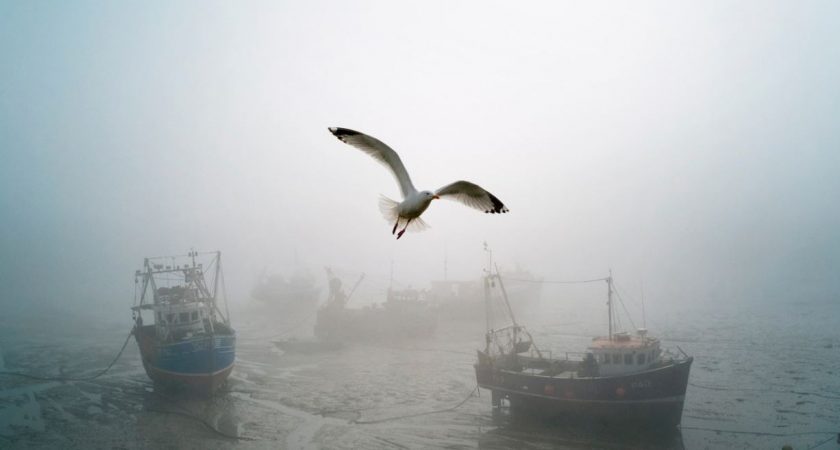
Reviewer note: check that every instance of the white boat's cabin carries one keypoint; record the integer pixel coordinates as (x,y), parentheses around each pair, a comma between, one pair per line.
(625,353)
(180,315)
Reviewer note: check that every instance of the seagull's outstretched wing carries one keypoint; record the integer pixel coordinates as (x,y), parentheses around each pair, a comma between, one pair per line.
(473,196)
(380,152)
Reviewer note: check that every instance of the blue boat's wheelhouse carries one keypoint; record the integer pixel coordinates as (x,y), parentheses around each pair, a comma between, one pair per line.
(181,314)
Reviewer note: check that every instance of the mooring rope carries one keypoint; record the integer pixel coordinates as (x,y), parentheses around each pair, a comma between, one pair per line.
(764,433)
(63,378)
(188,414)
(300,323)
(757,433)
(419,349)
(820,444)
(720,388)
(425,413)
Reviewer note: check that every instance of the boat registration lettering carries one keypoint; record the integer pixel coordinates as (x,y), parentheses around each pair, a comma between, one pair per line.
(641,384)
(200,345)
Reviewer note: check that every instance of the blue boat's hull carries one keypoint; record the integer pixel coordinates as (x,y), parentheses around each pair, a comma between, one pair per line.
(200,363)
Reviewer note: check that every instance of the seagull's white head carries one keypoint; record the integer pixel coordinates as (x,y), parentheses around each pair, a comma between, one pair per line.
(428,195)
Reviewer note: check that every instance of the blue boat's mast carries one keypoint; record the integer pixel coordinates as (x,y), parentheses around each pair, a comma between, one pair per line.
(610,303)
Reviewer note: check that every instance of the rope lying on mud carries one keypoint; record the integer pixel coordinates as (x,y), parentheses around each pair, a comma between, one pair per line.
(426,413)
(63,378)
(188,414)
(184,412)
(762,433)
(758,433)
(820,444)
(419,349)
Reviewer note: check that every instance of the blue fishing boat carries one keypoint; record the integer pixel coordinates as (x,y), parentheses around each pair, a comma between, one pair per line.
(189,343)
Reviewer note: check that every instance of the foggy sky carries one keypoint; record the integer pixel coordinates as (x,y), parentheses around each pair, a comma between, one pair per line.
(692,147)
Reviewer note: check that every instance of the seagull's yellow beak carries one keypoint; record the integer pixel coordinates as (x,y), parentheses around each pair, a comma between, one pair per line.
(436,197)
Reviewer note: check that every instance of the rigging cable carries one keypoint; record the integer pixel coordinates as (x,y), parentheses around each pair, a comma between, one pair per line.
(594,280)
(224,292)
(621,300)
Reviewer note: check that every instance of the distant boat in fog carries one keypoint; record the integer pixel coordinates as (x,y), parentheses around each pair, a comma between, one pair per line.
(464,299)
(189,342)
(407,213)
(405,314)
(295,294)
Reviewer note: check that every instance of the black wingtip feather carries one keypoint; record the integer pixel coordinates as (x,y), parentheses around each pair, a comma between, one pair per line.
(498,206)
(343,132)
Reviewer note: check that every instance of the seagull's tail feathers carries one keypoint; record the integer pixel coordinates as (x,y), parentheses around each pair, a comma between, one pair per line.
(389,208)
(416,225)
(390,211)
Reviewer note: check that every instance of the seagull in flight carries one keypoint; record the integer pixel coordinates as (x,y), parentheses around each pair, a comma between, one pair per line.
(415,202)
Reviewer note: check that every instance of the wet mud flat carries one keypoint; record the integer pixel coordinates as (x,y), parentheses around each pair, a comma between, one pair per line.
(386,394)
(272,400)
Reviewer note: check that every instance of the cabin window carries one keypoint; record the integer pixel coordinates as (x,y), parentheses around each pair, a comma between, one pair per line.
(603,359)
(641,358)
(170,318)
(628,359)
(616,358)
(183,317)
(194,315)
